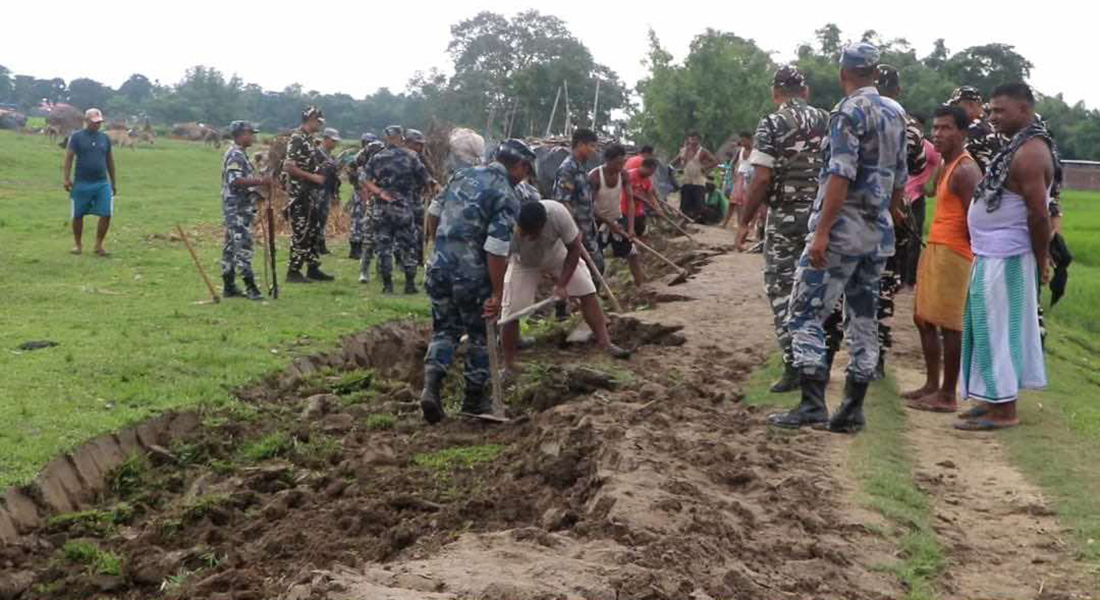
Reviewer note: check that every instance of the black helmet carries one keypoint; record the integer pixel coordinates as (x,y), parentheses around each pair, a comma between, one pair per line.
(517,149)
(367,138)
(394,130)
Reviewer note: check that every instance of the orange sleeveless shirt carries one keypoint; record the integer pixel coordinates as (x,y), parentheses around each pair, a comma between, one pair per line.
(949,226)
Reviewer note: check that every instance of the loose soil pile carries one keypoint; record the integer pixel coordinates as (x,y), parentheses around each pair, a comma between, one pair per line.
(616,480)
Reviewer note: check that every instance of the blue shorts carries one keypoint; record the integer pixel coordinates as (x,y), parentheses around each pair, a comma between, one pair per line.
(92,198)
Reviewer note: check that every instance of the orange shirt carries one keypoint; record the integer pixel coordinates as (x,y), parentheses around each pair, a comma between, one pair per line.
(949,226)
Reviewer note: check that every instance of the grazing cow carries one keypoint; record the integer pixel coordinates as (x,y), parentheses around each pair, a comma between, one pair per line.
(213,138)
(120,138)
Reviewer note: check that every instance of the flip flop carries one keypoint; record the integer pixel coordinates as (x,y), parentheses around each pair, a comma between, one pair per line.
(983,425)
(928,407)
(974,413)
(103,254)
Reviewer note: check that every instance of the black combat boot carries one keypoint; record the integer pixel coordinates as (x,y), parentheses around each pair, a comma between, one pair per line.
(410,282)
(251,290)
(295,276)
(322,248)
(229,286)
(476,401)
(431,402)
(387,283)
(811,411)
(788,382)
(356,251)
(849,417)
(316,274)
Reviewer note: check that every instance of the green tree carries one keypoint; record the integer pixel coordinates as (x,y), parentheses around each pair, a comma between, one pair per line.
(6,84)
(986,67)
(137,88)
(86,93)
(723,86)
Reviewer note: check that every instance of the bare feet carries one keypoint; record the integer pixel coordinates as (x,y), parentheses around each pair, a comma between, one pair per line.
(102,253)
(937,402)
(77,250)
(927,390)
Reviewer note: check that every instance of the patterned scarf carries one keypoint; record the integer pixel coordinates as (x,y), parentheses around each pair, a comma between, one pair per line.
(993,184)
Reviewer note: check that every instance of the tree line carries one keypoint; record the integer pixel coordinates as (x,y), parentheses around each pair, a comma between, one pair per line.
(723,86)
(511,74)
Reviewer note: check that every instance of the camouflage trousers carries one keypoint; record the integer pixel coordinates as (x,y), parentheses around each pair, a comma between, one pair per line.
(367,222)
(237,251)
(888,288)
(814,299)
(395,237)
(324,205)
(784,242)
(592,244)
(358,212)
(304,231)
(456,311)
(418,225)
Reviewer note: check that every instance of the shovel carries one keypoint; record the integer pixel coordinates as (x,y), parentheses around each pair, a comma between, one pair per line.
(599,276)
(681,278)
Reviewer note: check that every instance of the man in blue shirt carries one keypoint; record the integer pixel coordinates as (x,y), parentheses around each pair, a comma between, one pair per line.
(92,193)
(861,187)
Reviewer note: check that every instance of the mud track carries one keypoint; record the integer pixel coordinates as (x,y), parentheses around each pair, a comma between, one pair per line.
(643,479)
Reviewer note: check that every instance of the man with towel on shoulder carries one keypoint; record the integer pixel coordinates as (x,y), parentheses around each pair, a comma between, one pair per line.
(1009,222)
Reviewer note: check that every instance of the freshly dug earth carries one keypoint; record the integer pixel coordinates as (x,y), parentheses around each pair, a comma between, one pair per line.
(617,479)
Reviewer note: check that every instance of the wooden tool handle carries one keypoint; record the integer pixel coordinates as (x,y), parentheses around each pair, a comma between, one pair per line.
(198,265)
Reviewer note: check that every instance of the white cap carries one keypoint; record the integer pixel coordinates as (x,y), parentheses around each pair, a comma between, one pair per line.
(93,115)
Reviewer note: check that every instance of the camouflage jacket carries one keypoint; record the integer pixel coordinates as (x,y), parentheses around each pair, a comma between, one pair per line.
(916,158)
(571,189)
(477,213)
(359,165)
(399,172)
(301,149)
(235,165)
(788,142)
(528,192)
(866,146)
(983,143)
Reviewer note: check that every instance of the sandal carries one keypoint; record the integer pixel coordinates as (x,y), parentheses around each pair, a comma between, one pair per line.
(984,425)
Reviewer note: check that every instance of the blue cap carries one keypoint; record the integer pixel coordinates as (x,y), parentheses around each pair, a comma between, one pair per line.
(238,127)
(859,56)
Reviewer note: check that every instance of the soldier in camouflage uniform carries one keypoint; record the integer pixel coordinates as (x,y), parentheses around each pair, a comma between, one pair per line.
(239,207)
(394,176)
(787,158)
(357,207)
(889,85)
(465,278)
(983,142)
(370,204)
(852,234)
(571,188)
(331,188)
(302,179)
(414,141)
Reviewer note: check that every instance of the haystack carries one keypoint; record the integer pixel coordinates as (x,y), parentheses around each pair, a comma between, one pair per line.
(10,119)
(195,132)
(65,118)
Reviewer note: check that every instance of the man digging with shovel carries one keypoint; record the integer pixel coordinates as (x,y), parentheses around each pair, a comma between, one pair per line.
(548,242)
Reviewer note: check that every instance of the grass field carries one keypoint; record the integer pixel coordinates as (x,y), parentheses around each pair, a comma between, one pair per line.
(132,339)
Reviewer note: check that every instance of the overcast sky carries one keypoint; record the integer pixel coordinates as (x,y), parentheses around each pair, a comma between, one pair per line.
(273,45)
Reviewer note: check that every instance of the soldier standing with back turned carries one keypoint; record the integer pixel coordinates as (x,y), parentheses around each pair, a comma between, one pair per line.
(394,176)
(786,159)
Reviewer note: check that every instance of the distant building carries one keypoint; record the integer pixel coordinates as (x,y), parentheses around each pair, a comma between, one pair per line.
(1082,175)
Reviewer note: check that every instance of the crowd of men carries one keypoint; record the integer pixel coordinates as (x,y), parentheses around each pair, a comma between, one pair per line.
(840,234)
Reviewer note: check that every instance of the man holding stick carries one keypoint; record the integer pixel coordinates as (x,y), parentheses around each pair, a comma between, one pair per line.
(548,242)
(239,181)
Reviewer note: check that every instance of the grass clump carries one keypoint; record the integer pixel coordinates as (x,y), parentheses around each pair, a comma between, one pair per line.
(353,381)
(381,422)
(99,561)
(266,447)
(92,522)
(203,506)
(454,458)
(129,478)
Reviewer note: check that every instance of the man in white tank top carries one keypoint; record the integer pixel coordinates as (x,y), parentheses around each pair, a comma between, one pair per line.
(1009,224)
(610,192)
